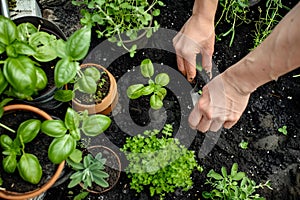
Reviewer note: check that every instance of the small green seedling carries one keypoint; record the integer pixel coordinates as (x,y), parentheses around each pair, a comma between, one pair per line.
(243,144)
(283,130)
(235,185)
(154,87)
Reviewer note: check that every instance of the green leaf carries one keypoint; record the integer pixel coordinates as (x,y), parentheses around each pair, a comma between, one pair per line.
(214,175)
(87,84)
(9,163)
(8,30)
(147,68)
(65,71)
(72,119)
(76,157)
(44,44)
(147,90)
(21,74)
(25,30)
(76,178)
(92,72)
(3,82)
(100,181)
(54,128)
(5,141)
(30,169)
(61,48)
(162,79)
(78,43)
(238,176)
(64,95)
(156,12)
(95,124)
(42,79)
(224,172)
(28,130)
(61,148)
(135,91)
(22,48)
(234,169)
(156,102)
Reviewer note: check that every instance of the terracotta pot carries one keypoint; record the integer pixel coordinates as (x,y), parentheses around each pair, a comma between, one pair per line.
(109,101)
(4,194)
(115,164)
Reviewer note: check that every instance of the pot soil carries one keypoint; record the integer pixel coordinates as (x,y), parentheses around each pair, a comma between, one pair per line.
(13,186)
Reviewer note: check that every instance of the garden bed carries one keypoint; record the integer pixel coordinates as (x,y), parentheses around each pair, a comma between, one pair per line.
(270,154)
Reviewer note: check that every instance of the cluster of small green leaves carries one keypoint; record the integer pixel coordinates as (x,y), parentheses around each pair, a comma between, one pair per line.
(27,164)
(156,87)
(68,132)
(160,163)
(266,23)
(120,16)
(283,130)
(235,185)
(91,170)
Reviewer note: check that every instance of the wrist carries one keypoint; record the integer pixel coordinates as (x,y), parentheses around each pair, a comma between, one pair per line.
(205,9)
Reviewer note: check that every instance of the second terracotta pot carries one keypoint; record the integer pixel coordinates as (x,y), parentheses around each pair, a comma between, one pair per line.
(108,102)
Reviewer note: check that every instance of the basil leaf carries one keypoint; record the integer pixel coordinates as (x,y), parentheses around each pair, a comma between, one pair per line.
(147,68)
(87,85)
(9,163)
(135,91)
(54,128)
(65,71)
(28,130)
(8,30)
(61,148)
(30,169)
(162,79)
(72,119)
(78,43)
(155,102)
(42,79)
(95,124)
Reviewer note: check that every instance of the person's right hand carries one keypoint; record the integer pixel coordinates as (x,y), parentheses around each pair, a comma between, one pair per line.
(221,104)
(196,36)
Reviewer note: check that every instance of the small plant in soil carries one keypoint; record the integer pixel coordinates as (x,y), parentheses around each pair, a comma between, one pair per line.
(283,130)
(235,185)
(90,170)
(15,157)
(155,87)
(159,162)
(115,18)
(244,144)
(67,133)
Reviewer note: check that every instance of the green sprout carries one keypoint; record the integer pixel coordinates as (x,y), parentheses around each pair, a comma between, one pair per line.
(243,144)
(283,130)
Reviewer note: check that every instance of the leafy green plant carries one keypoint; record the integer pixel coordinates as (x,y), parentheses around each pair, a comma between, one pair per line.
(26,47)
(154,87)
(14,153)
(158,161)
(244,144)
(266,23)
(68,132)
(234,12)
(91,170)
(283,130)
(235,185)
(118,17)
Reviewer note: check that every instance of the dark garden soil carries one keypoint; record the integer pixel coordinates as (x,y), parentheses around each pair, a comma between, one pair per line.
(270,154)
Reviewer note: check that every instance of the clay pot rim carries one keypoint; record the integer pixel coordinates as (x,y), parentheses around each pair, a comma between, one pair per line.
(26,195)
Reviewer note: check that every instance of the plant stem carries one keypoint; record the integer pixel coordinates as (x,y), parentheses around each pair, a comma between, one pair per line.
(7,128)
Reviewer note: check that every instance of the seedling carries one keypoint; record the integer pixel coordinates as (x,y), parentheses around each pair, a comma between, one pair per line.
(154,87)
(243,144)
(235,185)
(283,130)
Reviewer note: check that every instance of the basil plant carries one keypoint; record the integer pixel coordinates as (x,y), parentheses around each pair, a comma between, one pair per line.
(24,47)
(66,133)
(14,153)
(155,87)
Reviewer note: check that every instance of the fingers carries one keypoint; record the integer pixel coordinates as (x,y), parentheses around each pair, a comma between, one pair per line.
(207,63)
(190,68)
(180,65)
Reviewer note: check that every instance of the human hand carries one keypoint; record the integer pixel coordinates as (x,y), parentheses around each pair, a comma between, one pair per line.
(196,36)
(221,104)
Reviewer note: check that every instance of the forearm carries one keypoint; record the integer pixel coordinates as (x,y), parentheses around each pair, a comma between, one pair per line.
(205,8)
(278,54)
